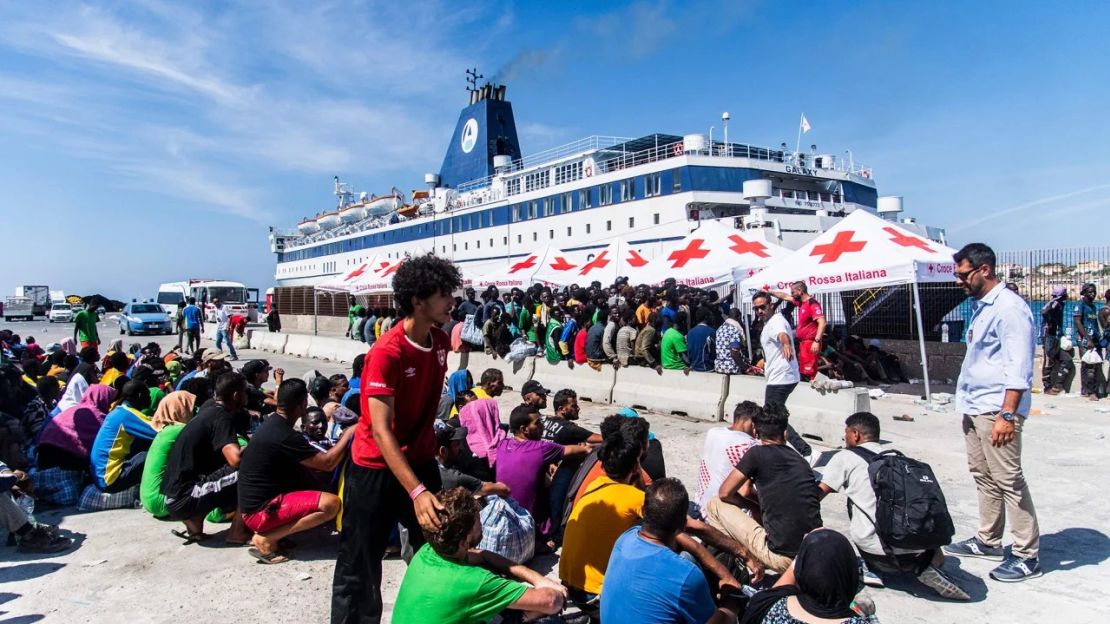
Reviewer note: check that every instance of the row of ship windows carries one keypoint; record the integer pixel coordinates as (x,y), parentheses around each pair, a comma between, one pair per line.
(466,245)
(646,186)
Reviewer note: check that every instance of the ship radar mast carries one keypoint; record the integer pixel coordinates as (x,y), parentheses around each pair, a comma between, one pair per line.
(343,193)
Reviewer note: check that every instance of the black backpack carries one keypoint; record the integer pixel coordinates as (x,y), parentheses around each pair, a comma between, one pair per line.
(911,512)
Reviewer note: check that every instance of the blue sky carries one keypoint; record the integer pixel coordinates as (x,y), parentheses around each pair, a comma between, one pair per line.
(147,142)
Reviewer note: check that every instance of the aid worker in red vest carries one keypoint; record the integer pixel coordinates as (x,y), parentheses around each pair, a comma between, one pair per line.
(809,328)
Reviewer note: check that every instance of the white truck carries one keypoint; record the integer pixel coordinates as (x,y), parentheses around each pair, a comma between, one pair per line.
(19,308)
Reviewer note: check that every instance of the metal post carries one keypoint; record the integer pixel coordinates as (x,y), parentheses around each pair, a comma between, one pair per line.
(921,336)
(315,312)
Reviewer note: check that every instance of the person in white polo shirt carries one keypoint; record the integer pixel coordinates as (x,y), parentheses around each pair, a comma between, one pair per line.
(993,395)
(780,364)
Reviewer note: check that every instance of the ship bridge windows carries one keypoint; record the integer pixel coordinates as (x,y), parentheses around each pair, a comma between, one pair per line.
(512,186)
(583,199)
(568,172)
(653,184)
(676,180)
(537,180)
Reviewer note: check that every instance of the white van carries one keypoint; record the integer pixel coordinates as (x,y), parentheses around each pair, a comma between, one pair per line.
(237,298)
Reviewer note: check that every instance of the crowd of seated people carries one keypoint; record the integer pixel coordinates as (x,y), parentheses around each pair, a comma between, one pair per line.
(198,443)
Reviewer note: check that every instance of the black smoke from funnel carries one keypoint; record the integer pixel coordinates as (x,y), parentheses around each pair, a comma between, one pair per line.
(524,61)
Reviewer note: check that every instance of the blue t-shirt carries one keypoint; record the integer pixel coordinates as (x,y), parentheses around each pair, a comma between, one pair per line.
(125,432)
(1088,314)
(669,315)
(192,316)
(647,583)
(186,377)
(696,342)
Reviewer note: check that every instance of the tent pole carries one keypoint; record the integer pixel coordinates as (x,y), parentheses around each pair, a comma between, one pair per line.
(921,339)
(315,312)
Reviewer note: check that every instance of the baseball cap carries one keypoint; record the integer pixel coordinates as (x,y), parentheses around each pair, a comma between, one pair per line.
(628,412)
(254,367)
(448,435)
(212,355)
(533,386)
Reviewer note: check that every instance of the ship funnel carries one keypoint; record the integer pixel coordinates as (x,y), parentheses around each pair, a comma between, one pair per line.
(889,207)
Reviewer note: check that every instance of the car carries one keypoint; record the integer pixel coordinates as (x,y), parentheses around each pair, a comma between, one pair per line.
(144,318)
(60,313)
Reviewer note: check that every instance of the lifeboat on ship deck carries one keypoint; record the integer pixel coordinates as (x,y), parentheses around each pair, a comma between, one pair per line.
(328,220)
(308,225)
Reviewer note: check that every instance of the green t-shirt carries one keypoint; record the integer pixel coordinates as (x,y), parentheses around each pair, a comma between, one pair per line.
(154,469)
(85,322)
(671,349)
(551,350)
(446,592)
(524,322)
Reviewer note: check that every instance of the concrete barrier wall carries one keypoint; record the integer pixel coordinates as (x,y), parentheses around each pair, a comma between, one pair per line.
(814,414)
(265,341)
(299,345)
(591,385)
(515,373)
(697,395)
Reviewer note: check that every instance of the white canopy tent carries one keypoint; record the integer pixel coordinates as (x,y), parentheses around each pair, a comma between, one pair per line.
(863,251)
(712,255)
(356,281)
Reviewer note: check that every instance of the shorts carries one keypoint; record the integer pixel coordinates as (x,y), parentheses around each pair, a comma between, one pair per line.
(283,509)
(219,489)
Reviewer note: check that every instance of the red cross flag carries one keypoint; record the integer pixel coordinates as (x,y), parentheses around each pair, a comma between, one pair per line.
(861,251)
(712,255)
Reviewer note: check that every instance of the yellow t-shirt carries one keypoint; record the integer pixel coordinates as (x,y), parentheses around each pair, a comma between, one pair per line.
(606,511)
(480,392)
(109,377)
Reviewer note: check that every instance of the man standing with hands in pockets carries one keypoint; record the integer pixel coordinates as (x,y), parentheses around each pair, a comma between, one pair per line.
(993,396)
(393,474)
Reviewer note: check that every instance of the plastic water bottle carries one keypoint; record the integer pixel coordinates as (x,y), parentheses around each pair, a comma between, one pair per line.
(944,332)
(27,504)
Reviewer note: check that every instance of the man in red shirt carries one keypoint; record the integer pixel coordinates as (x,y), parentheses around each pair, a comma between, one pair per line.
(393,475)
(810,328)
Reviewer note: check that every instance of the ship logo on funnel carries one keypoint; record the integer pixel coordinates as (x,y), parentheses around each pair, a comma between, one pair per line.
(469,135)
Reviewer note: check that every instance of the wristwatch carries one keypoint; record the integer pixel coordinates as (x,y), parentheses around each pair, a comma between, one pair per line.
(1007,416)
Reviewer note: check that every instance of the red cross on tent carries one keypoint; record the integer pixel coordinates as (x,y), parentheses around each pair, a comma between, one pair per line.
(597,263)
(355,273)
(635,260)
(744,246)
(906,240)
(528,263)
(561,264)
(840,245)
(693,250)
(392,269)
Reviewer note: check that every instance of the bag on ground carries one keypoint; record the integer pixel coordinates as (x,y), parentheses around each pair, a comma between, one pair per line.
(508,529)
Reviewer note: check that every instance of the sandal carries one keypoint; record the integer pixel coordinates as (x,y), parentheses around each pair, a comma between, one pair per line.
(190,538)
(270,559)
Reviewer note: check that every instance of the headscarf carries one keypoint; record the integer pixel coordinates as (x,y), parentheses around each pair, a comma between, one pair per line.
(69,345)
(75,390)
(176,407)
(482,420)
(75,429)
(827,574)
(173,370)
(156,396)
(459,381)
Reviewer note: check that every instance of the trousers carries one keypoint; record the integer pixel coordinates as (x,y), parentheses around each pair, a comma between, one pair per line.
(1001,485)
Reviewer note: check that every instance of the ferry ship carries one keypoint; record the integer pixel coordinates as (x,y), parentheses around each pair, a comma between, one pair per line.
(488,204)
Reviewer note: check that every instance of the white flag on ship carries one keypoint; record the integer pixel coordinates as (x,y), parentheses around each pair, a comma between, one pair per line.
(805,124)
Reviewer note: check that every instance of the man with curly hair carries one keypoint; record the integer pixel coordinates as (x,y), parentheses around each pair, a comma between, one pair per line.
(393,475)
(450,581)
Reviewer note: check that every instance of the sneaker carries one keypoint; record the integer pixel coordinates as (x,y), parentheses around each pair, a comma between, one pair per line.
(936,580)
(1015,569)
(972,547)
(39,541)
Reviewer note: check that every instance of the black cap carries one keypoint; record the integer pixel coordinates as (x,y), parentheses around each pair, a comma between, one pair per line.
(253,367)
(533,386)
(448,435)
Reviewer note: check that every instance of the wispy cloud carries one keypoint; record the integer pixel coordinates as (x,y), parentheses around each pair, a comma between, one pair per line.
(1036,203)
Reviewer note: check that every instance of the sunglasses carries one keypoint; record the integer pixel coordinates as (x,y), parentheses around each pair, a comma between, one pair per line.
(963,275)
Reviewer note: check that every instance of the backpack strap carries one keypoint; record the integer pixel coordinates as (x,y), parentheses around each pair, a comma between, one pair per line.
(866,455)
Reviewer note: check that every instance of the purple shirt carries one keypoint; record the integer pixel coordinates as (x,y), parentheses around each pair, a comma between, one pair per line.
(522,465)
